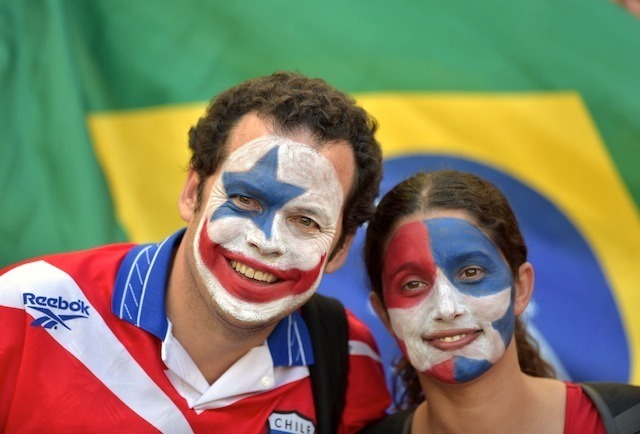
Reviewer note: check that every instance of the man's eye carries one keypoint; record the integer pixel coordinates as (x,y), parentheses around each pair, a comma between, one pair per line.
(471,273)
(306,221)
(306,224)
(412,285)
(246,203)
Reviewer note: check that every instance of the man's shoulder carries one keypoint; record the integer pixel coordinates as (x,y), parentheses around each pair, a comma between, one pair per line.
(330,310)
(357,328)
(42,279)
(79,257)
(359,332)
(80,260)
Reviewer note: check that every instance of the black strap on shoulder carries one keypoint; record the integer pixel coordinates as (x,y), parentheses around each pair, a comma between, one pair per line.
(326,320)
(618,405)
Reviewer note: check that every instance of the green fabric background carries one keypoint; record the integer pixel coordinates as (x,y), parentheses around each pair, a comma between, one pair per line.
(60,60)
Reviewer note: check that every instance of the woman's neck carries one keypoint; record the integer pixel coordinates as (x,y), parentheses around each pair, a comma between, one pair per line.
(503,400)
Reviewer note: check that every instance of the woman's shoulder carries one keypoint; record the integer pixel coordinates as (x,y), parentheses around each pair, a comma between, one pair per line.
(617,403)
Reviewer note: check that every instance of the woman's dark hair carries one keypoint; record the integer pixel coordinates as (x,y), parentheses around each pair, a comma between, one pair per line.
(450,190)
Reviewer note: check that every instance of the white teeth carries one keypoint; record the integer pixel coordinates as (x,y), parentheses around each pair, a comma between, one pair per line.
(452,338)
(249,272)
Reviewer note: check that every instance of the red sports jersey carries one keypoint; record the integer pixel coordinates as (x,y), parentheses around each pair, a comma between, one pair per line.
(83,349)
(581,414)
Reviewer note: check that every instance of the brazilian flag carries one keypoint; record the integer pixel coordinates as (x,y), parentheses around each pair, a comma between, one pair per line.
(542,98)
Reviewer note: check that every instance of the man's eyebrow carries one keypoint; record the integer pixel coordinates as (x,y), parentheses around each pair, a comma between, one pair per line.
(315,211)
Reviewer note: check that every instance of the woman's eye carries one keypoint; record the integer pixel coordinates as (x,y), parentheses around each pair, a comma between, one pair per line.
(413,285)
(246,203)
(471,273)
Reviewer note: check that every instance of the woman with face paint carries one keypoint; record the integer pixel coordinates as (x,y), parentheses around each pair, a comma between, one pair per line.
(448,268)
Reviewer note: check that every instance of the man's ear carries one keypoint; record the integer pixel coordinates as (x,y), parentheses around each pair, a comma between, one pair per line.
(340,256)
(189,196)
(381,311)
(524,288)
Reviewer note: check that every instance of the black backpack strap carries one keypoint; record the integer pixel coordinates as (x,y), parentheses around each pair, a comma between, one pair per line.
(326,320)
(618,405)
(397,423)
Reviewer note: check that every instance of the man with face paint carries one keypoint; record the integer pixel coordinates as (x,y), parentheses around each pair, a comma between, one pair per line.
(448,268)
(264,236)
(202,332)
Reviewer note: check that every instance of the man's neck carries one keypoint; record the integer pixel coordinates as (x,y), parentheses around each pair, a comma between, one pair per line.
(212,343)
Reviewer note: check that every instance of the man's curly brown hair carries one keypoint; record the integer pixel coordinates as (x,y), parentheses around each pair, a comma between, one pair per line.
(292,102)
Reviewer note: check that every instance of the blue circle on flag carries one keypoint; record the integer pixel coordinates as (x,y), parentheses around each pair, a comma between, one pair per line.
(573,313)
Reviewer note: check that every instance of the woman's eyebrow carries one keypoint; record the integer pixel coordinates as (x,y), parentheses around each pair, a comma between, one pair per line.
(475,254)
(407,266)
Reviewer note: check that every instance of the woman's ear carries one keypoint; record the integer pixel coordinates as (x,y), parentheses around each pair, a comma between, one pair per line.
(381,311)
(523,288)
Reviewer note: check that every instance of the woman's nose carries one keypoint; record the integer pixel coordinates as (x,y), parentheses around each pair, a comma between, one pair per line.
(448,303)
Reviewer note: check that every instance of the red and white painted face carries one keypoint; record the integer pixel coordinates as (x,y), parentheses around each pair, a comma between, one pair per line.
(450,298)
(267,228)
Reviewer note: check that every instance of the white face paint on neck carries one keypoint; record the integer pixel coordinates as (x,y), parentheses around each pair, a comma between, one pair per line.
(267,228)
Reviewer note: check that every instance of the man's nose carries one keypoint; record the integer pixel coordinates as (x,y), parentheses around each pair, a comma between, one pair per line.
(272,245)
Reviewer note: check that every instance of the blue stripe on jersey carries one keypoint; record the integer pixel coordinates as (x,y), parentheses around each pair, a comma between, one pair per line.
(140,286)
(290,342)
(139,295)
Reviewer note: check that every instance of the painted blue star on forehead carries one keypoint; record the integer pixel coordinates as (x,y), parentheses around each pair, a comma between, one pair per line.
(261,184)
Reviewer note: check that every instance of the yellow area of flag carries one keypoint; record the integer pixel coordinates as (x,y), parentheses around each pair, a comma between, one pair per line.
(546,140)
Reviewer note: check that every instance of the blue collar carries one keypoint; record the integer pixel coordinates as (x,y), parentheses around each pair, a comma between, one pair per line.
(139,298)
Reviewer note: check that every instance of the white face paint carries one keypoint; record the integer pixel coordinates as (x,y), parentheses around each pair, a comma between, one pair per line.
(449,294)
(417,325)
(267,228)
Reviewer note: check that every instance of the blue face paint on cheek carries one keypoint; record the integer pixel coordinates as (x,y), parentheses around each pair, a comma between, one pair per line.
(506,325)
(457,244)
(259,183)
(465,369)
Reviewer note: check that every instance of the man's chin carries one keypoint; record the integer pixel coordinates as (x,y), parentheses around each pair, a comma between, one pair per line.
(248,324)
(256,316)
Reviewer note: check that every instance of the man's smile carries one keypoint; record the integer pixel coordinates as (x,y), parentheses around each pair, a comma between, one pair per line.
(247,271)
(251,280)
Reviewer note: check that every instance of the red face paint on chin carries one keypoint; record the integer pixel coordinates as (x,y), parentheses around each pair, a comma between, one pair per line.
(408,257)
(443,372)
(290,282)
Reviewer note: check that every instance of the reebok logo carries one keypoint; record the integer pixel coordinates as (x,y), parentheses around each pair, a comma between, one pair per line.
(50,319)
